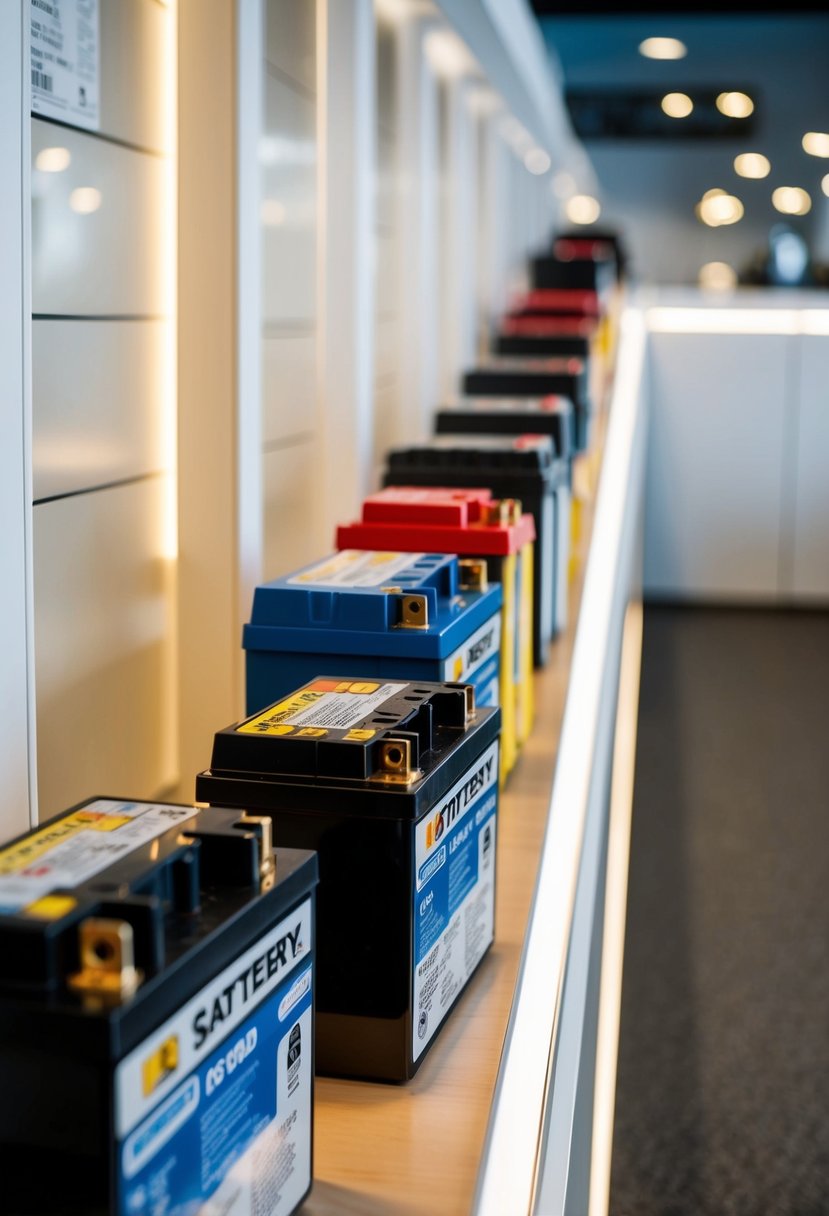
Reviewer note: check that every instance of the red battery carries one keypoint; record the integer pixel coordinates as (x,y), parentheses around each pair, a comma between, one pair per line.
(561,300)
(472,524)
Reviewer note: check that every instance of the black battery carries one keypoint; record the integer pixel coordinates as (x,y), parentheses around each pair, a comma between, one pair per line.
(516,416)
(517,377)
(542,345)
(395,784)
(601,243)
(580,273)
(156,1014)
(527,468)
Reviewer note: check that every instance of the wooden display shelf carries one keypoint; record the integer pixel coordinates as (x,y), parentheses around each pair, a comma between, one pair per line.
(415,1149)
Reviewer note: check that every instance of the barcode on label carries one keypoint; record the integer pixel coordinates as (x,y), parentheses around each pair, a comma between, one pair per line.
(40,80)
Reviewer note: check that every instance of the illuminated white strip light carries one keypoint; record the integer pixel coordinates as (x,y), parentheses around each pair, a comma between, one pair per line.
(616,886)
(507,1179)
(738,320)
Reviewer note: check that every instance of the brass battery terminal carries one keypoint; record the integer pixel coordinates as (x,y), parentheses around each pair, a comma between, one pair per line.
(108,975)
(473,574)
(395,763)
(413,608)
(261,826)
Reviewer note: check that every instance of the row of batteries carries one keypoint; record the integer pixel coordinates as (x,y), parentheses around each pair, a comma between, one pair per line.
(169,982)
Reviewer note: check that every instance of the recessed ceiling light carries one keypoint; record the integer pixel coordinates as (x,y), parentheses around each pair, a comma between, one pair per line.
(735,105)
(791,200)
(752,164)
(583,209)
(824,184)
(663,48)
(85,199)
(677,105)
(537,161)
(716,208)
(816,143)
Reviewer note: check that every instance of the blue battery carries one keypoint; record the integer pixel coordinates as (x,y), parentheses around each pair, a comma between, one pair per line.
(410,616)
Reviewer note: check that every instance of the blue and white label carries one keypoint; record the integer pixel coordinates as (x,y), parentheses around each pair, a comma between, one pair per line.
(454,898)
(478,662)
(231,1135)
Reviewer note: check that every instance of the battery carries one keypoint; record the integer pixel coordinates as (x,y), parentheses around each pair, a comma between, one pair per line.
(526,377)
(413,616)
(568,302)
(526,468)
(540,336)
(601,244)
(553,416)
(472,524)
(156,1014)
(577,273)
(395,784)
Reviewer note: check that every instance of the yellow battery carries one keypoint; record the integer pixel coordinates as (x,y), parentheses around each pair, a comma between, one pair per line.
(495,541)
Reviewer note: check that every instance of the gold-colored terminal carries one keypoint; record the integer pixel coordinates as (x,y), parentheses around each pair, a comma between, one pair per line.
(414,612)
(395,763)
(392,590)
(108,975)
(473,574)
(514,510)
(261,826)
(497,512)
(469,690)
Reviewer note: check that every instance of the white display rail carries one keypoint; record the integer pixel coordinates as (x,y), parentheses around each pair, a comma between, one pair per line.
(537,1155)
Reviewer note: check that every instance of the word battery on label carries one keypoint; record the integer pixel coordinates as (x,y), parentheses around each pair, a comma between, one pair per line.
(159,969)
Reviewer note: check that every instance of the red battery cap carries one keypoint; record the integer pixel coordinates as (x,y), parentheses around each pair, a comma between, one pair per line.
(441,520)
(558,300)
(573,325)
(568,247)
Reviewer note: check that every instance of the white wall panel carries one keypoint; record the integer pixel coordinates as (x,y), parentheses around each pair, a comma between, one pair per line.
(97,392)
(715,466)
(811,516)
(132,58)
(291,40)
(109,260)
(104,632)
(291,478)
(289,386)
(289,209)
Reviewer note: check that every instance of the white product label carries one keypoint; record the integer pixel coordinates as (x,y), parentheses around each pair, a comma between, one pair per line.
(321,706)
(78,846)
(65,50)
(213,1110)
(356,568)
(454,897)
(477,661)
(209,1017)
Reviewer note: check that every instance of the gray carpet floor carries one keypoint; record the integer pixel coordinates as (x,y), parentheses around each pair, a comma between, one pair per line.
(722,1101)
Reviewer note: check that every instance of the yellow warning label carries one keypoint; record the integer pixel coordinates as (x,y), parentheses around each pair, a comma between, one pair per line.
(18,856)
(266,722)
(312,732)
(360,736)
(51,907)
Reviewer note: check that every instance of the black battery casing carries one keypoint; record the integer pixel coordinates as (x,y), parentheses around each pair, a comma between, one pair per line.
(541,346)
(527,468)
(364,832)
(588,274)
(520,377)
(196,900)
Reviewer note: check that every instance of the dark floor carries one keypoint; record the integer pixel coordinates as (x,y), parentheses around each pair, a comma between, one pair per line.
(722,1102)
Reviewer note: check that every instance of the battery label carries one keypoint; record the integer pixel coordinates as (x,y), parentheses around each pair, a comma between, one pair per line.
(477,662)
(75,848)
(323,705)
(227,1129)
(357,568)
(454,898)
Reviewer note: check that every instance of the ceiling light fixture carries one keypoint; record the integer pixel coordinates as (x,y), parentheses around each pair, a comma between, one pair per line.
(677,105)
(663,48)
(752,164)
(816,143)
(583,209)
(716,208)
(791,200)
(735,105)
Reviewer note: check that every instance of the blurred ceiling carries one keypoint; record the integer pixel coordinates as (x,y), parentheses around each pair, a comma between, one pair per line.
(653,176)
